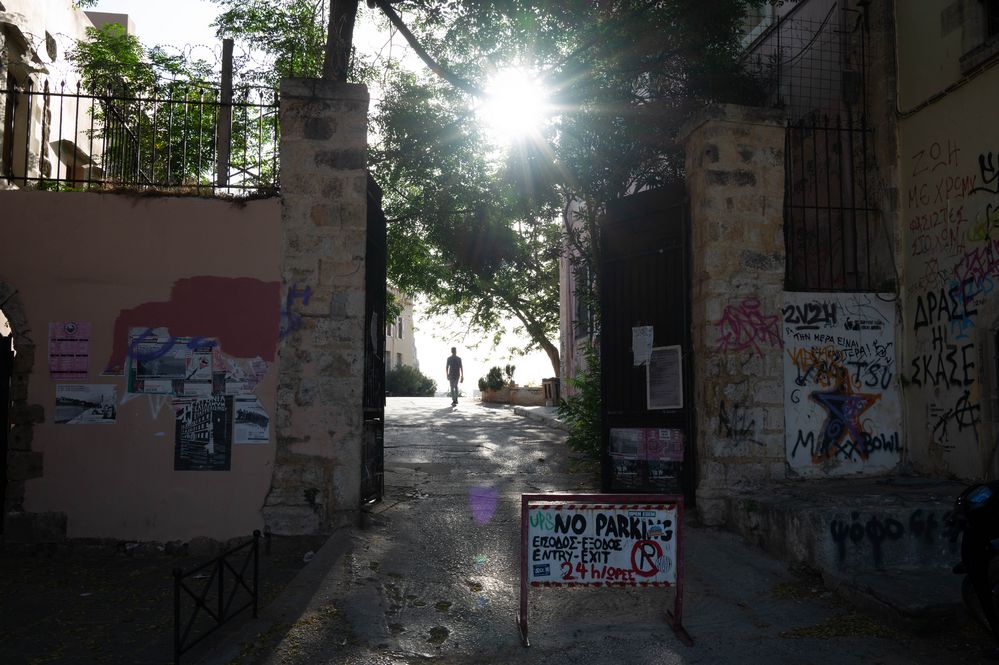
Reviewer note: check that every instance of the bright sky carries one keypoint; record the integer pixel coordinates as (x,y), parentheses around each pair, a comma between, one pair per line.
(186,23)
(436,336)
(174,22)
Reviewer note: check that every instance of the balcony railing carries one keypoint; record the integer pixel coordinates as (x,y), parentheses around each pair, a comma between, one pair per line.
(178,135)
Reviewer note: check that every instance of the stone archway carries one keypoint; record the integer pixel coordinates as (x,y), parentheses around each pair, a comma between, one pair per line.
(22,462)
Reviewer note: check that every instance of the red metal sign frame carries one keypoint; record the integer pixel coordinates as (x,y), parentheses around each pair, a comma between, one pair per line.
(674,618)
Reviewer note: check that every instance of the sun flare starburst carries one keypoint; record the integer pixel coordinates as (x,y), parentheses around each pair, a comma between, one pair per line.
(515,105)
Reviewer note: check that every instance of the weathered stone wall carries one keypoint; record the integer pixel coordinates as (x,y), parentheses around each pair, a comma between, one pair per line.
(735,180)
(316,483)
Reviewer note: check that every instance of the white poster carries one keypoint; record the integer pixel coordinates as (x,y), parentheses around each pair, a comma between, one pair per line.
(602,545)
(842,410)
(641,344)
(664,378)
(79,404)
(252,424)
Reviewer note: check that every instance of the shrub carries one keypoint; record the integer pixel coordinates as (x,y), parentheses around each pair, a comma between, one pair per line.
(582,410)
(493,380)
(406,381)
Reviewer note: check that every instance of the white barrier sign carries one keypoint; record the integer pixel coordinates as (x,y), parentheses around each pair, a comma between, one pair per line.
(602,545)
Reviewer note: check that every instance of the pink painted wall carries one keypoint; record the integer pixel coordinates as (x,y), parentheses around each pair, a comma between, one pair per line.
(209,266)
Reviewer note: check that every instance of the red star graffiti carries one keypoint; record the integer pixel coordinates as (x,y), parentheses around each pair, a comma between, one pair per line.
(843,410)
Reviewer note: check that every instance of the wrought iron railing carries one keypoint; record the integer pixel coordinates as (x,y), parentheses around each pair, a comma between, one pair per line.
(177,135)
(215,595)
(834,233)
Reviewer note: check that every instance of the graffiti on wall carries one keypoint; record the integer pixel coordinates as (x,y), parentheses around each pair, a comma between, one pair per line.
(744,326)
(290,319)
(738,424)
(953,266)
(841,402)
(211,394)
(875,536)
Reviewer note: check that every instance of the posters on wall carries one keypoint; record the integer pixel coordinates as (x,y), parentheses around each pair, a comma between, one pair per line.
(664,378)
(161,364)
(69,350)
(646,458)
(204,433)
(842,410)
(641,344)
(243,374)
(251,423)
(85,404)
(212,394)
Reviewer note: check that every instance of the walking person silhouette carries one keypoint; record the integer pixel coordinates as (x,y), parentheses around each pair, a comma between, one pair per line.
(455,374)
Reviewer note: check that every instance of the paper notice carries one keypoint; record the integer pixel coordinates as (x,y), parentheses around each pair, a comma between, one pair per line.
(641,344)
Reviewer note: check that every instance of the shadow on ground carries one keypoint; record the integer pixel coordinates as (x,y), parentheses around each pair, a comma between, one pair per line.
(109,603)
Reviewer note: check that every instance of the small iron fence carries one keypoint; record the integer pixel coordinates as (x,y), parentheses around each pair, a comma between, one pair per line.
(213,604)
(176,135)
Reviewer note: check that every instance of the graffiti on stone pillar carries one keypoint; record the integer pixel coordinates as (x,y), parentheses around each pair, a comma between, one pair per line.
(842,407)
(746,326)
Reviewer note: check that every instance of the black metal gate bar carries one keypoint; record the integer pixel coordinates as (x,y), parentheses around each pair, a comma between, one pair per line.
(644,281)
(223,610)
(373,445)
(6,370)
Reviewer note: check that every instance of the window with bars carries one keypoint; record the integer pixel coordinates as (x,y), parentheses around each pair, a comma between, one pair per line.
(834,236)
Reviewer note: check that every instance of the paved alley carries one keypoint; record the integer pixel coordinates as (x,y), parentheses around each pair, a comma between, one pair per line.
(433,576)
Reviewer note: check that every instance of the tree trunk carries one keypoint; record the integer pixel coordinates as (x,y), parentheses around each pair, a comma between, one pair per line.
(553,355)
(535,332)
(339,39)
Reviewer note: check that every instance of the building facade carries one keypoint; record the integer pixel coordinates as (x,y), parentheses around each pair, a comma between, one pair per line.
(844,320)
(400,337)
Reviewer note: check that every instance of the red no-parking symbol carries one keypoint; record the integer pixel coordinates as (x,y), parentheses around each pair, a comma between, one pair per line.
(644,555)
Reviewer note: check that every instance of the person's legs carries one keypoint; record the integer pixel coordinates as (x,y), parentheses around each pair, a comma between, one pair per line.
(454,391)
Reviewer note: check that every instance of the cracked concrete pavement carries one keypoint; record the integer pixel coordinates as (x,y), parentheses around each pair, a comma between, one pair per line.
(433,576)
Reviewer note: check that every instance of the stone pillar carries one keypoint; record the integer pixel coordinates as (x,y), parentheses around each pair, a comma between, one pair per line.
(735,179)
(317,470)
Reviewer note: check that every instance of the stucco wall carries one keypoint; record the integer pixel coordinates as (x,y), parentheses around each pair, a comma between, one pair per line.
(193,267)
(949,156)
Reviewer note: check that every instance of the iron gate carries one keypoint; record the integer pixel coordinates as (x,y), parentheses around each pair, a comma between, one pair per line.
(6,369)
(644,282)
(373,448)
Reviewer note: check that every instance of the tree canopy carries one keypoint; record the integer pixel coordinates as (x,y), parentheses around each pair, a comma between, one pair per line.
(478,228)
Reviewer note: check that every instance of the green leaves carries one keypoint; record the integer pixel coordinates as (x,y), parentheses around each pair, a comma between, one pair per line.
(154,114)
(406,381)
(291,33)
(472,232)
(581,410)
(111,59)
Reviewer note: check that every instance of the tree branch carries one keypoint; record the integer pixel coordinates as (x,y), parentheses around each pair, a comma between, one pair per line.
(434,66)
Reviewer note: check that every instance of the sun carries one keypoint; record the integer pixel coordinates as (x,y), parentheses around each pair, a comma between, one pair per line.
(515,105)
